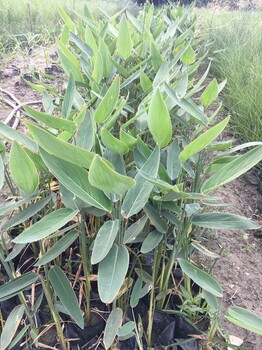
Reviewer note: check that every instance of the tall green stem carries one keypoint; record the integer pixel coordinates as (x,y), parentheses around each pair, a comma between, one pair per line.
(55,315)
(152,301)
(86,265)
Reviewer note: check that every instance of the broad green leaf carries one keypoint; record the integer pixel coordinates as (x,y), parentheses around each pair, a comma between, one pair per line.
(11,325)
(47,225)
(106,56)
(66,295)
(112,272)
(25,214)
(88,15)
(112,326)
(75,179)
(120,69)
(89,38)
(151,241)
(210,93)
(137,197)
(98,70)
(129,140)
(48,104)
(50,120)
(203,140)
(58,248)
(64,38)
(69,62)
(173,162)
(69,97)
(156,58)
(18,136)
(85,137)
(189,56)
(234,169)
(199,83)
(212,301)
(59,148)
(133,231)
(70,200)
(219,145)
(5,209)
(15,251)
(162,75)
(27,179)
(17,285)
(108,103)
(181,87)
(40,165)
(2,173)
(124,41)
(239,148)
(202,278)
(106,179)
(145,276)
(126,329)
(157,182)
(86,49)
(245,319)
(67,20)
(159,122)
(188,106)
(220,220)
(136,292)
(155,218)
(145,82)
(104,240)
(113,143)
(19,336)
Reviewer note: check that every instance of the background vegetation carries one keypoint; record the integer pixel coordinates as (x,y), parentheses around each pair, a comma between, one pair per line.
(236,46)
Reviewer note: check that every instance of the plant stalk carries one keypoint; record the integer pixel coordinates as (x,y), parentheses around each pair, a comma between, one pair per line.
(86,265)
(54,315)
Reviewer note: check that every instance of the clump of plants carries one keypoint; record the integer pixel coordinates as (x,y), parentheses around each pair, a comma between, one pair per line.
(112,191)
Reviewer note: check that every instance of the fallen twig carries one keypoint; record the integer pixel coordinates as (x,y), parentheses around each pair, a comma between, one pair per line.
(14,111)
(10,95)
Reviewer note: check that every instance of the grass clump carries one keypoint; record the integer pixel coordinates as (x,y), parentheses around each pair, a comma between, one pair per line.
(33,23)
(236,46)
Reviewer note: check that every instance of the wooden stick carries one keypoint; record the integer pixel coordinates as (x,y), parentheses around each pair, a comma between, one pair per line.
(14,111)
(10,95)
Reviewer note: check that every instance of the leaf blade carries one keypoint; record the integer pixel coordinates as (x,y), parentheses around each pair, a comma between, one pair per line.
(46,226)
(66,295)
(111,273)
(203,279)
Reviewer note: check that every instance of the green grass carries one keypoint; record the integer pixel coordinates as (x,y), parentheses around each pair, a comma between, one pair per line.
(35,22)
(236,46)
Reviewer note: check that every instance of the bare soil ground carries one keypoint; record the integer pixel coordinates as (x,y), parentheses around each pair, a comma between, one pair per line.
(239,269)
(24,67)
